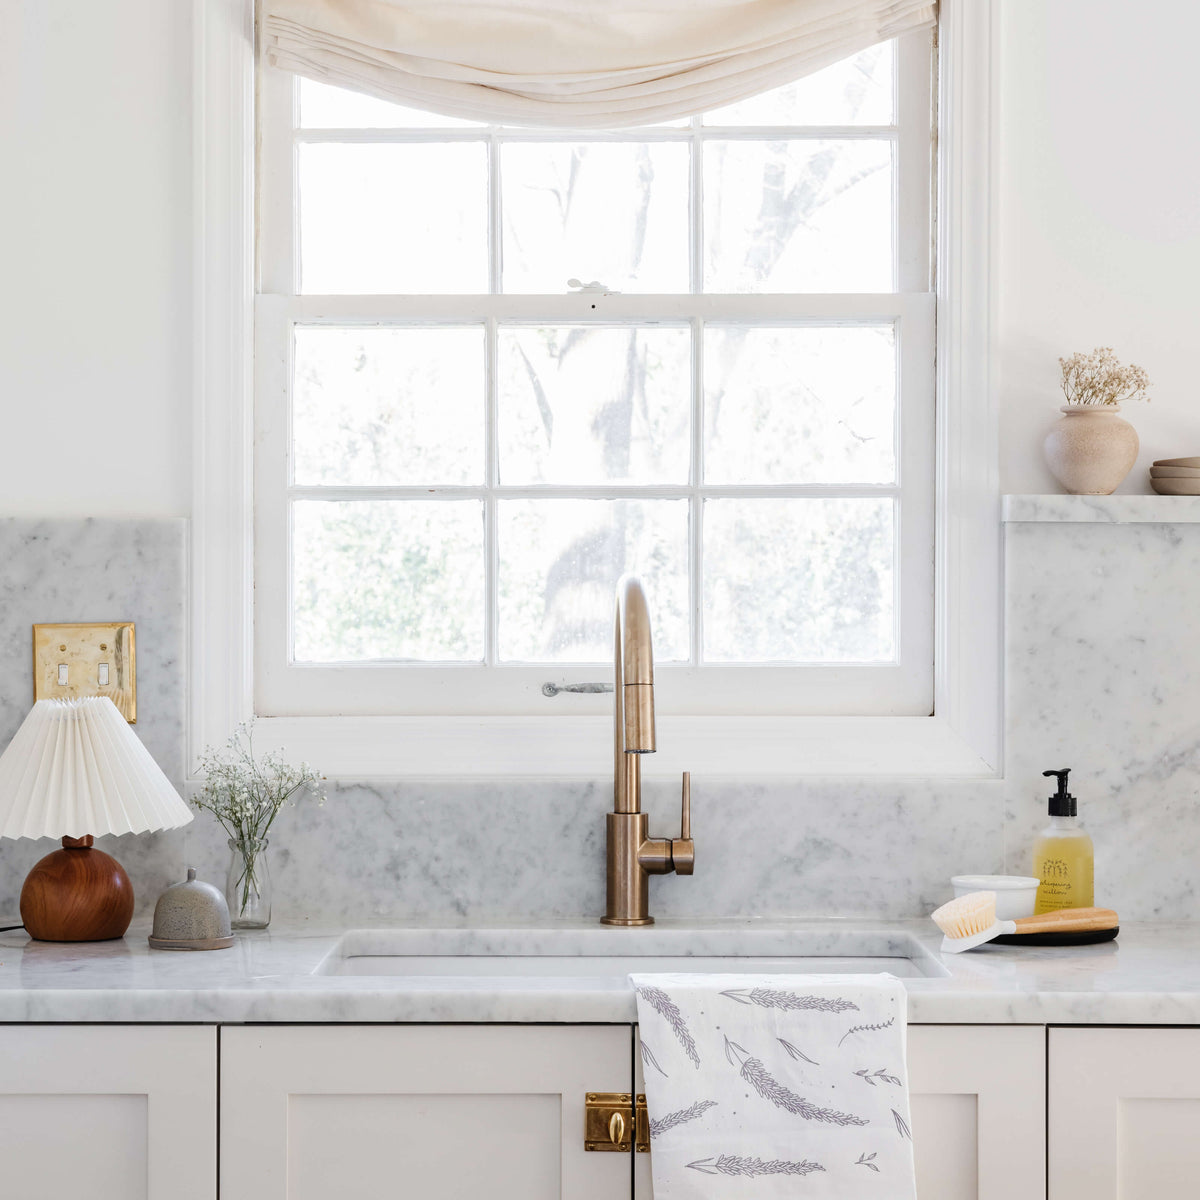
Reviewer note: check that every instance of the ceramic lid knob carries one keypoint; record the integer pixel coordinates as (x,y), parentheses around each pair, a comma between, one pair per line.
(192,911)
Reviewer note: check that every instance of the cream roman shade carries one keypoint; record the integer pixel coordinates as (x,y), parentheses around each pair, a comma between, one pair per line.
(574,63)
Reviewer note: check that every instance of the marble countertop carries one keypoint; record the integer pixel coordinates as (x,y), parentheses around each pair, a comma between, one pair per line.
(1150,975)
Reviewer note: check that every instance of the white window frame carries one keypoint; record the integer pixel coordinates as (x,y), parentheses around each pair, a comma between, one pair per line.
(962,737)
(285,687)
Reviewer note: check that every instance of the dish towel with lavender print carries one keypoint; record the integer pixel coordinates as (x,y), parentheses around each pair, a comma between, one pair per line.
(772,1086)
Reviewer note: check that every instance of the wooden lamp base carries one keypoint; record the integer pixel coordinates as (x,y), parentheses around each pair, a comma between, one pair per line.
(77,894)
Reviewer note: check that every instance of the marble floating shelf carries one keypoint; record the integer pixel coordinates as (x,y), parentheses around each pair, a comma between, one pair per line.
(1110,510)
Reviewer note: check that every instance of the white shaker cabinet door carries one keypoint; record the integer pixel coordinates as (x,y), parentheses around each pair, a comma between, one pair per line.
(978,1111)
(978,1096)
(1124,1114)
(108,1112)
(435,1112)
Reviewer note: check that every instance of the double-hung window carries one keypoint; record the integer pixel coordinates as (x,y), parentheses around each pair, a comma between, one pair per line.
(498,367)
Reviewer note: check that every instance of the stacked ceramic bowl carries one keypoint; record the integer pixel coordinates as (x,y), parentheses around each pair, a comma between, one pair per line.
(1176,477)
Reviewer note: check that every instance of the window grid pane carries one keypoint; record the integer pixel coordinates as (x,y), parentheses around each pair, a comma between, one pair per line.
(800,404)
(831,600)
(738,507)
(365,229)
(380,405)
(594,404)
(387,580)
(510,558)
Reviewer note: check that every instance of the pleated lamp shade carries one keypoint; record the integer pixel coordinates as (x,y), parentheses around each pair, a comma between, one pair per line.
(75,769)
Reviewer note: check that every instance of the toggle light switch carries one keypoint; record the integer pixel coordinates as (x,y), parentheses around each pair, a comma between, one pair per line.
(70,661)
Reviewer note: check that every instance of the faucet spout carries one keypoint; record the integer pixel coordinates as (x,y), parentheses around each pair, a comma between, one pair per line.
(633,693)
(632,854)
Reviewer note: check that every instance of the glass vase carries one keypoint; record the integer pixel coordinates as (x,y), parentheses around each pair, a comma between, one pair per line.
(248,885)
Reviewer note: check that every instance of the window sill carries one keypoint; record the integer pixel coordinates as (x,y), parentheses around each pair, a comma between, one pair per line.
(581,747)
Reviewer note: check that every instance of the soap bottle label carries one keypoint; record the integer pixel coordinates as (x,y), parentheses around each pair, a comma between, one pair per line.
(1066,881)
(1055,891)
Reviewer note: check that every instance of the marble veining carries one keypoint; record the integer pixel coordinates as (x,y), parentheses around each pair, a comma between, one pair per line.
(1103,676)
(534,850)
(1150,975)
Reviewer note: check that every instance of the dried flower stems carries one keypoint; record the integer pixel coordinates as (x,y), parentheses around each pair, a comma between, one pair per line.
(1099,378)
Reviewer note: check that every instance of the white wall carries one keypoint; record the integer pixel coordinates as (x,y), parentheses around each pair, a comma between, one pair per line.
(1099,235)
(95,162)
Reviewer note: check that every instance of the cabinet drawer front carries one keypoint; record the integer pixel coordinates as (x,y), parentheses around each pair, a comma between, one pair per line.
(441,1112)
(111,1112)
(1124,1111)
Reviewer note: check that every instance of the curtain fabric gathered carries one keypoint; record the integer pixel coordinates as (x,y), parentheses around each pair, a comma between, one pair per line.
(574,63)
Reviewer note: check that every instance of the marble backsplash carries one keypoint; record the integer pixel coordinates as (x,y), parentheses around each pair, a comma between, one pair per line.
(1103,667)
(1103,659)
(534,849)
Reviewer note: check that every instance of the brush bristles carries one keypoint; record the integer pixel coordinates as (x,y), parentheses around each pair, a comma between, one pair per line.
(968,915)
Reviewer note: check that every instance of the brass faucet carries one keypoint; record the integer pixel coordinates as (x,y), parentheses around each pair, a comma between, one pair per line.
(633,856)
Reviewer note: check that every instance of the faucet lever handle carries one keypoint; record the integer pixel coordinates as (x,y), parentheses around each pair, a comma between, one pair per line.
(683,849)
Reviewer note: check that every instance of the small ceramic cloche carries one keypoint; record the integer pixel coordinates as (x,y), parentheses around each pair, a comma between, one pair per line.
(191,916)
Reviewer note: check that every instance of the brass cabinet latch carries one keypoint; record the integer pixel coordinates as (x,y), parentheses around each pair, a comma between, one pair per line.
(609,1120)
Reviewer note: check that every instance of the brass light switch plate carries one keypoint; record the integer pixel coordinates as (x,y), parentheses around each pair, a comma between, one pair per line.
(70,661)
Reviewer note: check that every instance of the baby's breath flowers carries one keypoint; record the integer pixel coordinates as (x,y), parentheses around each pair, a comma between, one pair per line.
(1099,378)
(245,793)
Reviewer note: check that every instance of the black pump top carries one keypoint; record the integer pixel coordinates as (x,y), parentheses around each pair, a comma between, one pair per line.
(1062,803)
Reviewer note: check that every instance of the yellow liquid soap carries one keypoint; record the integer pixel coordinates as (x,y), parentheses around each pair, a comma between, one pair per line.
(1063,861)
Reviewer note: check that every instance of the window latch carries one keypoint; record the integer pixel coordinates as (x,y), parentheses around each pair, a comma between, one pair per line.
(593,288)
(586,689)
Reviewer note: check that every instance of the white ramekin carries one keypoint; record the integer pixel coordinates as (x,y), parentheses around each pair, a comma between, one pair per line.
(1015,894)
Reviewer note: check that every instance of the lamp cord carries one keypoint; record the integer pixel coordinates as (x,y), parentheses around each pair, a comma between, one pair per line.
(8,928)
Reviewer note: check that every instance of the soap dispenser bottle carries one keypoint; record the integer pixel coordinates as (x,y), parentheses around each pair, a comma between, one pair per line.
(1062,855)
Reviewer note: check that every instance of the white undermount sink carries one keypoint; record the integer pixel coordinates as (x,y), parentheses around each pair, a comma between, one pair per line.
(511,955)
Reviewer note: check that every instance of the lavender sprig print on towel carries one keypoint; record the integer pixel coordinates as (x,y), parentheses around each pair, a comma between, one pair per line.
(868,1028)
(790,1001)
(768,1087)
(796,1053)
(669,1011)
(869,1076)
(660,1125)
(736,1164)
(648,1058)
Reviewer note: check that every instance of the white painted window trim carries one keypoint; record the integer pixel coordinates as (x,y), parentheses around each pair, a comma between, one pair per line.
(221,595)
(964,736)
(969,633)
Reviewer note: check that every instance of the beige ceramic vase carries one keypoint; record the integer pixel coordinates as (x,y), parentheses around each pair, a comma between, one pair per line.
(1090,449)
